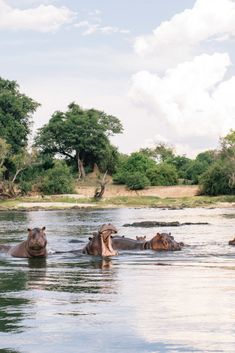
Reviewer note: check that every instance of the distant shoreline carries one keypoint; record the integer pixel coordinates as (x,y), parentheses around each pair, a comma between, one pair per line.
(116,196)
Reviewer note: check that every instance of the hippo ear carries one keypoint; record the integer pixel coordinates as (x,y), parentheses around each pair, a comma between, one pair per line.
(158,236)
(29,229)
(43,228)
(145,237)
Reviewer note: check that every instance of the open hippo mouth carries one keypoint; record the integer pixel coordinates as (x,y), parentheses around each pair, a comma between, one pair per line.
(105,233)
(100,243)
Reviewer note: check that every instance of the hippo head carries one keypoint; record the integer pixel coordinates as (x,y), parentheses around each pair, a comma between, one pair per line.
(37,241)
(141,238)
(164,241)
(232,242)
(100,243)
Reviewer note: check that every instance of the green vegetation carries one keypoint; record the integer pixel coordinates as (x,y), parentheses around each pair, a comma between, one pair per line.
(75,142)
(58,180)
(81,136)
(54,202)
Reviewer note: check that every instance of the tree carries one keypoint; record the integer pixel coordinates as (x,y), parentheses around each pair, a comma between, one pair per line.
(20,161)
(80,135)
(181,163)
(16,110)
(137,162)
(58,180)
(162,174)
(4,152)
(217,180)
(228,141)
(200,165)
(161,152)
(137,181)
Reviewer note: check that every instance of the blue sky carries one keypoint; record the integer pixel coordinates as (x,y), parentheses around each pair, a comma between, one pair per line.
(164,68)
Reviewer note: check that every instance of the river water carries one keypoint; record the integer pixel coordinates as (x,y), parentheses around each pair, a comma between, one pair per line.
(135,302)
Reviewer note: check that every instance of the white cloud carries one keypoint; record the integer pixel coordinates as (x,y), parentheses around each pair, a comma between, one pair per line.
(93,25)
(91,28)
(44,18)
(208,19)
(190,102)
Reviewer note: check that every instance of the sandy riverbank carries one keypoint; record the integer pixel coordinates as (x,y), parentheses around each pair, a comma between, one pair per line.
(157,191)
(117,196)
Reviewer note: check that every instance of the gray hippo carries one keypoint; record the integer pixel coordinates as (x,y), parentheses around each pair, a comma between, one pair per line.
(231,242)
(34,246)
(160,242)
(101,243)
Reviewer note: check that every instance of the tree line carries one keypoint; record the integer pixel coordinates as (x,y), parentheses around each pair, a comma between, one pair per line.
(68,147)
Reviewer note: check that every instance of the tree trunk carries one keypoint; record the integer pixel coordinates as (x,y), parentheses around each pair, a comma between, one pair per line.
(80,167)
(99,191)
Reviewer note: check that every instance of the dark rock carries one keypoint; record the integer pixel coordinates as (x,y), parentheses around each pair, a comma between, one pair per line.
(76,241)
(149,224)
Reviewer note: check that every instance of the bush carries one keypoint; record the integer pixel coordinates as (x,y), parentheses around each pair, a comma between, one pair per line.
(162,174)
(135,163)
(25,186)
(58,180)
(216,180)
(137,181)
(196,169)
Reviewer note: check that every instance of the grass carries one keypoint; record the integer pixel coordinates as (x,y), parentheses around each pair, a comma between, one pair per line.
(150,201)
(120,201)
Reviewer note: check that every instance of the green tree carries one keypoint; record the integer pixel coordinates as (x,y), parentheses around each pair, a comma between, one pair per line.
(80,135)
(161,152)
(16,111)
(162,174)
(218,180)
(137,181)
(20,162)
(199,166)
(57,180)
(181,163)
(137,162)
(4,152)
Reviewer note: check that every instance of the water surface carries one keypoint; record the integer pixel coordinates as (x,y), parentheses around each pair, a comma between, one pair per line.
(136,302)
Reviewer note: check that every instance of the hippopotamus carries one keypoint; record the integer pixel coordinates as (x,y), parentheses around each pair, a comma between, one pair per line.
(160,242)
(34,246)
(140,237)
(101,243)
(231,242)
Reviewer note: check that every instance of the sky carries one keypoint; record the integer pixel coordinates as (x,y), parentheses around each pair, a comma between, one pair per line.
(164,68)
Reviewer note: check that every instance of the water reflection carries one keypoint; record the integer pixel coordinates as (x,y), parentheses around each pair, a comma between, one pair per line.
(122,304)
(6,350)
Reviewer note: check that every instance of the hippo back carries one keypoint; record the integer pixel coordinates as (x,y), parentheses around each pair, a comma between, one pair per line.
(122,243)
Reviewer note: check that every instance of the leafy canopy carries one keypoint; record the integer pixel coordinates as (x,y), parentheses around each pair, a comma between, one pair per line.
(16,110)
(78,134)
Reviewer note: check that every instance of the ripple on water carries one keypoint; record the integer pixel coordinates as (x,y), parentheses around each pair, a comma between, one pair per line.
(135,302)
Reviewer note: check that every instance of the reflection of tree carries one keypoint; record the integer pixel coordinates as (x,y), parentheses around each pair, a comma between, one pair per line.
(11,308)
(6,350)
(66,284)
(83,274)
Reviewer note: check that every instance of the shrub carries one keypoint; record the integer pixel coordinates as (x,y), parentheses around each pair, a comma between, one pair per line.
(217,179)
(58,180)
(135,163)
(162,174)
(137,181)
(25,186)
